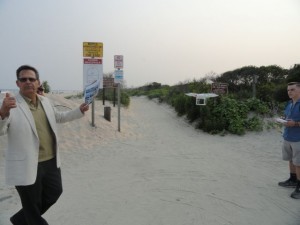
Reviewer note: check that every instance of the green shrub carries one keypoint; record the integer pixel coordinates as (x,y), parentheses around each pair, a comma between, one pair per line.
(192,110)
(179,104)
(254,124)
(233,113)
(257,106)
(213,125)
(125,99)
(79,95)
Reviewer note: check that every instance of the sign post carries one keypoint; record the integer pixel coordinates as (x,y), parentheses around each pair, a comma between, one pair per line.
(118,61)
(118,64)
(92,72)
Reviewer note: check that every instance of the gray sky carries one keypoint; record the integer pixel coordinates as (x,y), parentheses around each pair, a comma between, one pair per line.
(166,41)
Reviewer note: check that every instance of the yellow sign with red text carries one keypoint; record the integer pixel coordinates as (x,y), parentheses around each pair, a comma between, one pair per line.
(93,49)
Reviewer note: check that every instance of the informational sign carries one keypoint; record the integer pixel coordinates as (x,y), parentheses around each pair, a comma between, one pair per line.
(92,77)
(108,82)
(90,92)
(118,61)
(219,88)
(118,76)
(93,49)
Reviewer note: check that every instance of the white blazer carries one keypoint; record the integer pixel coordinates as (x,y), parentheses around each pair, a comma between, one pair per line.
(22,152)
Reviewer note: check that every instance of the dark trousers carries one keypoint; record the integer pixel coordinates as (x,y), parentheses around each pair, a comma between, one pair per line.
(37,198)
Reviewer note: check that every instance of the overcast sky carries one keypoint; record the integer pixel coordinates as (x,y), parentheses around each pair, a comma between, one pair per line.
(166,41)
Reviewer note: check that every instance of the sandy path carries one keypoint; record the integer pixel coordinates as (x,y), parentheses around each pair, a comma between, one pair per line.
(167,173)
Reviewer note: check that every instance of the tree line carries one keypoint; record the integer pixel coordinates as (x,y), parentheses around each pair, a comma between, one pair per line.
(253,94)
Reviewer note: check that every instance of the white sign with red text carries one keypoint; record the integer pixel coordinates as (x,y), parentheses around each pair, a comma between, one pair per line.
(92,78)
(118,61)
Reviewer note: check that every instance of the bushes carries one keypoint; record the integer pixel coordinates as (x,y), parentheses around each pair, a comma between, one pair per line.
(125,99)
(257,106)
(227,114)
(192,110)
(179,104)
(109,95)
(232,113)
(220,115)
(160,94)
(254,124)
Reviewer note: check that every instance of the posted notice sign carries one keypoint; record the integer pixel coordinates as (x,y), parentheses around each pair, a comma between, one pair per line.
(108,82)
(118,61)
(92,72)
(92,78)
(118,76)
(219,88)
(93,49)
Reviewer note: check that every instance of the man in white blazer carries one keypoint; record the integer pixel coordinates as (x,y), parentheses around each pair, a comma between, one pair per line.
(32,162)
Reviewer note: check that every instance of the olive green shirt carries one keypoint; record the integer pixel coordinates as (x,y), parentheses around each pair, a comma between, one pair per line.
(45,133)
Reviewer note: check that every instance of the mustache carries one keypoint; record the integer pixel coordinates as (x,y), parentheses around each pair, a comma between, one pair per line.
(29,87)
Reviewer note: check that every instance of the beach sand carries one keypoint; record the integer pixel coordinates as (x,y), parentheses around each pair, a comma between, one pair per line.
(159,170)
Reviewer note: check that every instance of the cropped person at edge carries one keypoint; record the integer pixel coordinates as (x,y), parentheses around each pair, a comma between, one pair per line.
(291,136)
(32,161)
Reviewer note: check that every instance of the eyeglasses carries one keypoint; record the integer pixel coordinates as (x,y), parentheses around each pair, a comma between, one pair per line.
(24,79)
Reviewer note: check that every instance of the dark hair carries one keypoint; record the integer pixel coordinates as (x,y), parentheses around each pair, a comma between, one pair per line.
(27,67)
(294,83)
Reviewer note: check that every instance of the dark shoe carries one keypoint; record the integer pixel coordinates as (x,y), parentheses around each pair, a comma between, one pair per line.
(11,220)
(296,194)
(288,183)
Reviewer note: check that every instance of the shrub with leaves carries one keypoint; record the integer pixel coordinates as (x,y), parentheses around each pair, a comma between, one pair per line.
(233,113)
(257,106)
(254,124)
(179,104)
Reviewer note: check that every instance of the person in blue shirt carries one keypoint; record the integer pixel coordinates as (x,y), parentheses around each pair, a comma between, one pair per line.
(291,139)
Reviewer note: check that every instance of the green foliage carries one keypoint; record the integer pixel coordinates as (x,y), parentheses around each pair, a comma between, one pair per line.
(111,94)
(212,125)
(233,114)
(179,104)
(294,74)
(280,95)
(192,110)
(125,99)
(153,90)
(79,95)
(160,94)
(254,124)
(236,112)
(46,86)
(258,106)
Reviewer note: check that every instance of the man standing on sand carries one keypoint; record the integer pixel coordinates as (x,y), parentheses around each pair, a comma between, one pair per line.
(32,158)
(291,136)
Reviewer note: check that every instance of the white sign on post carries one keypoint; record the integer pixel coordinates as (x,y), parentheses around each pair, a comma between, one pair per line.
(92,78)
(118,76)
(118,61)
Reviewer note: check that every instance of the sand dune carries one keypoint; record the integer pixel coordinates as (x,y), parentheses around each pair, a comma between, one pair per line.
(159,170)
